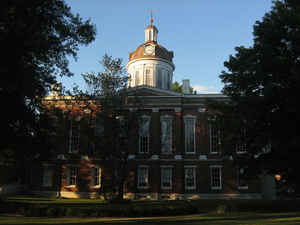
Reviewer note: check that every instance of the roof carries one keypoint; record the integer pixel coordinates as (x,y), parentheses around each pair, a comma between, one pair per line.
(152,27)
(160,52)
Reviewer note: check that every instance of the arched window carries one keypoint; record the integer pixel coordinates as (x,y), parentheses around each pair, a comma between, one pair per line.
(137,78)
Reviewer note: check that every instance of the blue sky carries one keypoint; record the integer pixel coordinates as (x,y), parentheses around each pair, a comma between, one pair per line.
(201,33)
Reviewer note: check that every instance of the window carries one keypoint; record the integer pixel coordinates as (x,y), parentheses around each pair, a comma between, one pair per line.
(216,177)
(48,177)
(242,180)
(189,134)
(241,143)
(137,78)
(159,78)
(96,176)
(123,123)
(190,177)
(148,77)
(215,138)
(144,134)
(168,81)
(74,137)
(166,134)
(166,177)
(72,175)
(99,127)
(143,177)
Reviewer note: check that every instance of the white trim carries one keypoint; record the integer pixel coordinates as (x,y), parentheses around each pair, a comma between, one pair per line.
(146,178)
(245,187)
(69,176)
(170,178)
(71,150)
(93,176)
(189,128)
(145,151)
(48,175)
(194,176)
(219,178)
(168,119)
(218,139)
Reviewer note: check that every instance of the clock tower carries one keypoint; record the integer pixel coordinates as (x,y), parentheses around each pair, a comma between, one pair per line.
(151,64)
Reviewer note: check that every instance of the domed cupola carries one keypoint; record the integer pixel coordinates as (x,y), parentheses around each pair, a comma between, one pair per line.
(151,64)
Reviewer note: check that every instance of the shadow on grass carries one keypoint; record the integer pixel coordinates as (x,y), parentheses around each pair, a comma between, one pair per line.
(279,218)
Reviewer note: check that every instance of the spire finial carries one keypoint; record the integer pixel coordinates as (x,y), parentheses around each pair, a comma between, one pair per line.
(151,16)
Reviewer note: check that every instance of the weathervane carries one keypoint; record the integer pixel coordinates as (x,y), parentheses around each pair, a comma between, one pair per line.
(151,18)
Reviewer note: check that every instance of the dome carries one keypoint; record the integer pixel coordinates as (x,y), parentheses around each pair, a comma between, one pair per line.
(159,52)
(151,64)
(151,27)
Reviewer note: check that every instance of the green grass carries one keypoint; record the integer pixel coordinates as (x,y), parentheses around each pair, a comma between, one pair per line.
(242,218)
(41,200)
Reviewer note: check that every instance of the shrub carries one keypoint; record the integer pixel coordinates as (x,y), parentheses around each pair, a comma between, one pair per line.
(51,212)
(221,209)
(33,210)
(71,212)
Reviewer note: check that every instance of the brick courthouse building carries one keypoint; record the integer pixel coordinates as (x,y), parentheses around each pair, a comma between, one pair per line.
(178,153)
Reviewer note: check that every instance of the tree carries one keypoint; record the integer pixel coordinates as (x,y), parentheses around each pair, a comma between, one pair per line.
(107,99)
(36,37)
(178,87)
(263,81)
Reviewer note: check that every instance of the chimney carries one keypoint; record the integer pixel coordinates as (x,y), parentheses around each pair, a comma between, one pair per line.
(186,86)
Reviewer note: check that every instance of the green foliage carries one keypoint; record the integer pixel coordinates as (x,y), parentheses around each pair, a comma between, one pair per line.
(107,98)
(94,208)
(178,87)
(263,83)
(36,38)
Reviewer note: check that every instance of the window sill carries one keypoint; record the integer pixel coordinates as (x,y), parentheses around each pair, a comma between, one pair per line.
(190,188)
(216,188)
(190,153)
(167,153)
(243,187)
(143,187)
(166,188)
(240,153)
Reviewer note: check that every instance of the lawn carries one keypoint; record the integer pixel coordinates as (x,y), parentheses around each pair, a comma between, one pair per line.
(242,218)
(38,210)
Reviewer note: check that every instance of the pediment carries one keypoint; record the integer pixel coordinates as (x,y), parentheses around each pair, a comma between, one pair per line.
(151,91)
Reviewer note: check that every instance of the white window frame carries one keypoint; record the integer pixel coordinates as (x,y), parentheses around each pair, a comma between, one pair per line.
(241,187)
(137,78)
(241,148)
(74,140)
(143,177)
(70,176)
(190,133)
(169,178)
(99,127)
(194,172)
(159,78)
(219,177)
(148,76)
(144,138)
(96,176)
(48,174)
(214,138)
(168,148)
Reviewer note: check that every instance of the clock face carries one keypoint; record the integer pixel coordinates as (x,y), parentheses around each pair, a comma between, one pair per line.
(149,49)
